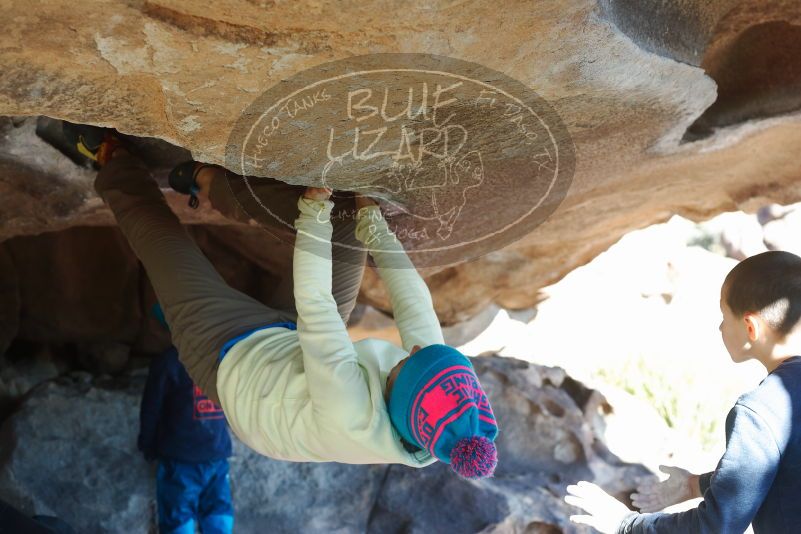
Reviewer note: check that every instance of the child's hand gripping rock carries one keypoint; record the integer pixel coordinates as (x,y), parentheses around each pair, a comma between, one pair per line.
(318,193)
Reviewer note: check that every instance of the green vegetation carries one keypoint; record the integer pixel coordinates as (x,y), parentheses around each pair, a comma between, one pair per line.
(681,395)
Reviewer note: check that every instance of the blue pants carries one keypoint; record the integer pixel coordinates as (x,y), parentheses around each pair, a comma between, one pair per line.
(187,493)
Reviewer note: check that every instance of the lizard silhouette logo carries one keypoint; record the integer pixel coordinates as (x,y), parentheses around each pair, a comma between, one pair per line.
(463,160)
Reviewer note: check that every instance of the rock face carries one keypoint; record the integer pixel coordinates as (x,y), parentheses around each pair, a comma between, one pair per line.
(70,451)
(741,44)
(662,122)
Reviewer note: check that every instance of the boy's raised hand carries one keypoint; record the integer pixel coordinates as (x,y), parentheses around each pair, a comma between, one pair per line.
(653,495)
(604,512)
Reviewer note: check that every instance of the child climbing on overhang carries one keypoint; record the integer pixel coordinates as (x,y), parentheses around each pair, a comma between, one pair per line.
(291,383)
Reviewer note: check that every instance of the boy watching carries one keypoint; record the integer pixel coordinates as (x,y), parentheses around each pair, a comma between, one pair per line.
(758,479)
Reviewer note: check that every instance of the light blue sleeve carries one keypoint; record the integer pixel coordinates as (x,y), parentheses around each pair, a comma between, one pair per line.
(412,305)
(337,384)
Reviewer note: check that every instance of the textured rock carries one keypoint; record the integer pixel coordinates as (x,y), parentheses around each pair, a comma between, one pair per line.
(9,300)
(94,295)
(692,24)
(746,46)
(70,451)
(86,437)
(104,358)
(183,72)
(24,366)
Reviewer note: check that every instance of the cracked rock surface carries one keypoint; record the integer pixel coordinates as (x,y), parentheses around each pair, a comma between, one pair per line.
(661,125)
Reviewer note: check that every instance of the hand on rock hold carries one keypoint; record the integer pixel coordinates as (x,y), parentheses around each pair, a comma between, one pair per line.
(653,495)
(362,201)
(318,193)
(604,512)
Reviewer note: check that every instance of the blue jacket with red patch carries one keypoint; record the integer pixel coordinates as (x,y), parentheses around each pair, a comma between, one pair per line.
(176,420)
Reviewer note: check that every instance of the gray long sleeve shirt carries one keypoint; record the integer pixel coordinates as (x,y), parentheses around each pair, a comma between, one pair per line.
(758,479)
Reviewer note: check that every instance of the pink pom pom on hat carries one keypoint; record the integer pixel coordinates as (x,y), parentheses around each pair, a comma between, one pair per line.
(474,458)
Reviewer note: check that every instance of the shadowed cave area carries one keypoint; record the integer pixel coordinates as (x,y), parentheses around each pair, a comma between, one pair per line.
(758,76)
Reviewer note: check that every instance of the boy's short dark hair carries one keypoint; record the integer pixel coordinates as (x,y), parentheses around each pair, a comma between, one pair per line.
(768,284)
